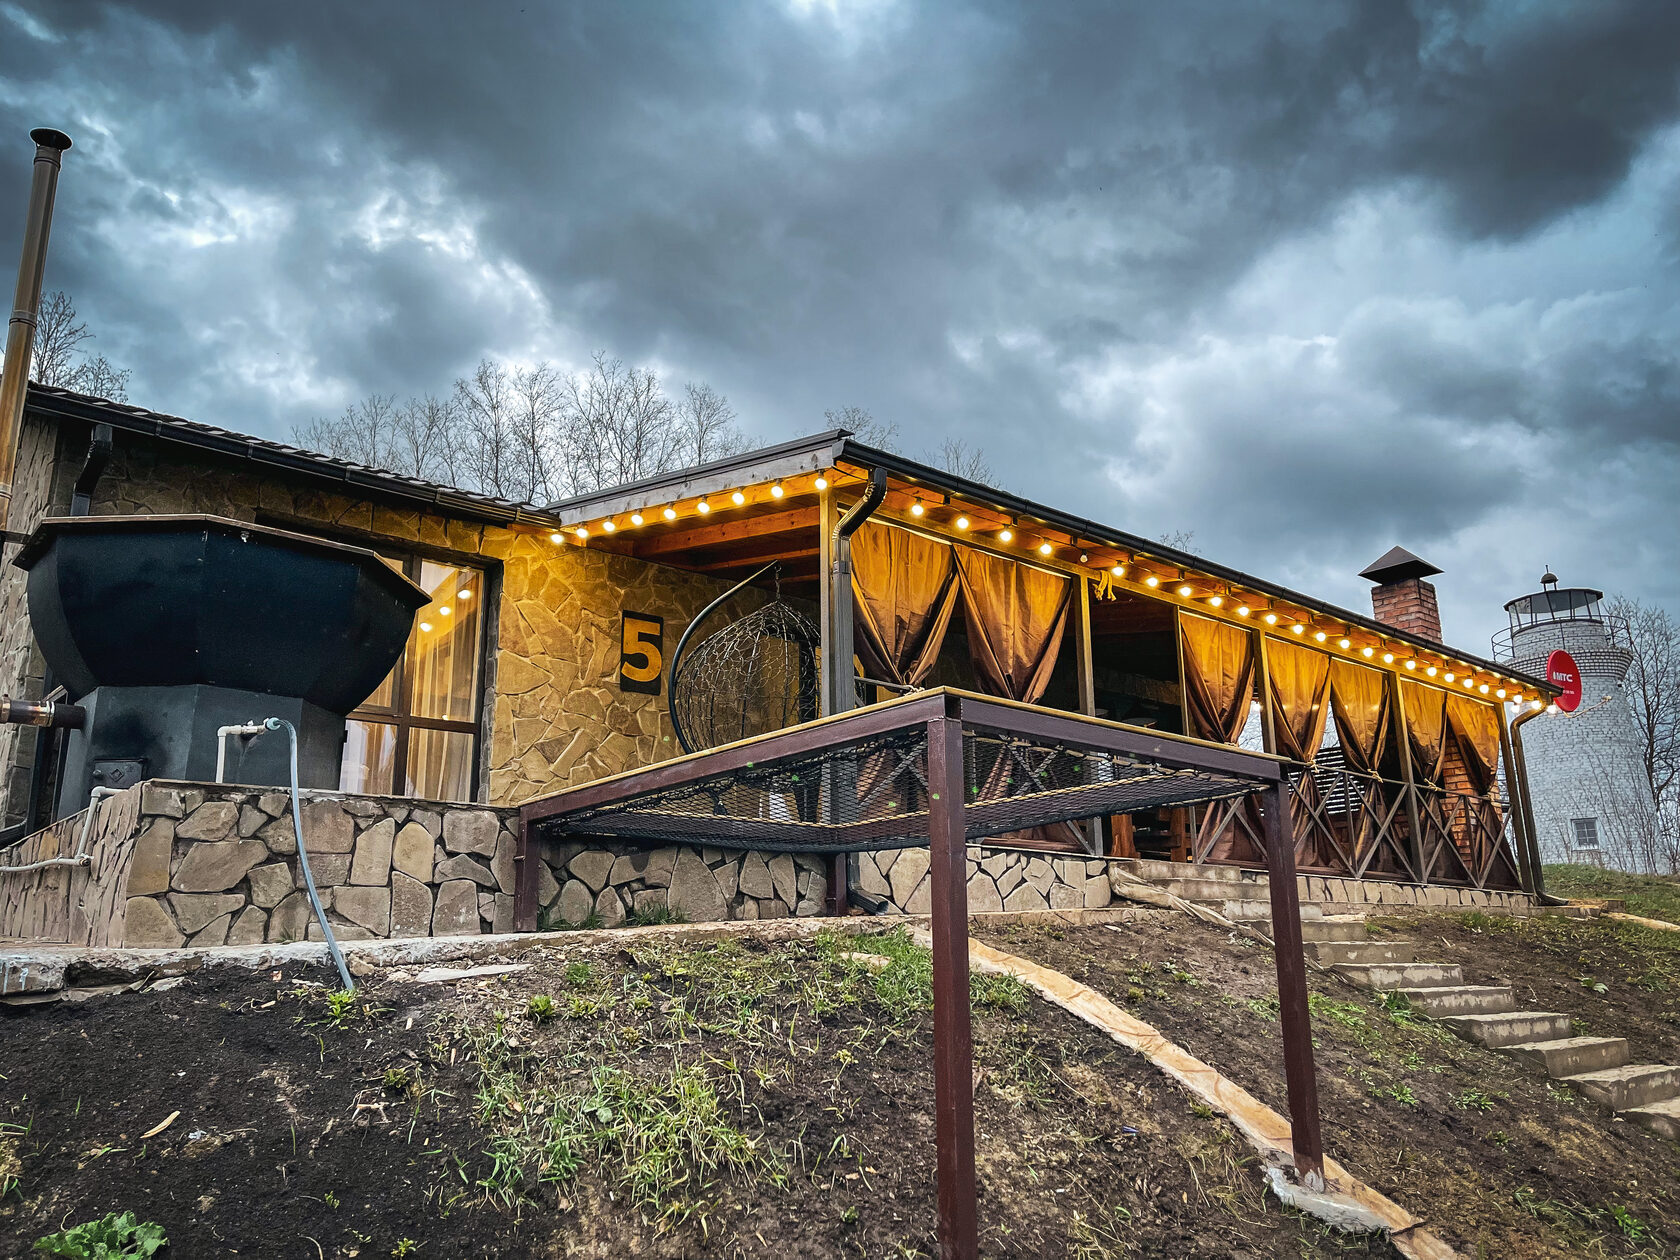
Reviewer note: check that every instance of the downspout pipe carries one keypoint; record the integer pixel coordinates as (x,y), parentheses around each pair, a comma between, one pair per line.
(26,304)
(1531,838)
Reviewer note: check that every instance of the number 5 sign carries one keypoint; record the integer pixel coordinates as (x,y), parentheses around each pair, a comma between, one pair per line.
(641,657)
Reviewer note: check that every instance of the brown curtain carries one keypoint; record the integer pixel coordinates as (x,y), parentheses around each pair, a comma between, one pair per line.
(1300,679)
(1219,675)
(1426,720)
(1359,699)
(1476,726)
(904,591)
(1016,616)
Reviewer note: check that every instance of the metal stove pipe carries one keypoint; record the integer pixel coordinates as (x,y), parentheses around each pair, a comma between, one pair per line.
(26,303)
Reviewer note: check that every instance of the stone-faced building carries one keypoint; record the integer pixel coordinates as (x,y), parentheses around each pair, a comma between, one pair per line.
(543,659)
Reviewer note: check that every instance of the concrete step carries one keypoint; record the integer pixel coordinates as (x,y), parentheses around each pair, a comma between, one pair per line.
(1573,911)
(1662,1118)
(1631,1085)
(1214,890)
(1391,952)
(1570,1056)
(1334,928)
(1509,1028)
(1158,872)
(1403,975)
(1259,913)
(1461,999)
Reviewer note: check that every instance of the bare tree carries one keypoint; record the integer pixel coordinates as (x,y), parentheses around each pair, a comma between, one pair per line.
(1652,687)
(708,424)
(957,456)
(1178,539)
(510,431)
(882,434)
(620,426)
(364,434)
(59,360)
(425,444)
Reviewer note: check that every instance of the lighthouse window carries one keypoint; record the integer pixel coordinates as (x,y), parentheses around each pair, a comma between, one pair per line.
(1586,832)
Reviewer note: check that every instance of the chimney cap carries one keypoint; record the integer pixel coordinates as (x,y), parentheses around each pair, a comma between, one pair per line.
(1397,565)
(50,138)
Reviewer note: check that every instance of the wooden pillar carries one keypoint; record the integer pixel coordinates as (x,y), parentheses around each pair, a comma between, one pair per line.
(834,601)
(1093,827)
(1178,819)
(953,1033)
(1298,1069)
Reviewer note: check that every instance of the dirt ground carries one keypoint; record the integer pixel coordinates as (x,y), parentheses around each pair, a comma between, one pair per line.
(1498,1160)
(646,1100)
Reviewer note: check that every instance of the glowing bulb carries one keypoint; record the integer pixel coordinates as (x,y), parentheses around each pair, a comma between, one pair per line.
(962,522)
(1344,644)
(1451,677)
(1152,580)
(1516,699)
(1368,652)
(1411,664)
(463,593)
(1045,548)
(737,498)
(916,508)
(1321,636)
(1469,683)
(1271,619)
(581,532)
(1298,628)
(1483,689)
(776,491)
(822,483)
(1216,601)
(1500,693)
(1005,535)
(703,507)
(1243,610)
(1388,658)
(608,526)
(670,514)
(1430,671)
(1118,570)
(635,518)
(443,610)
(556,538)
(1186,592)
(426,625)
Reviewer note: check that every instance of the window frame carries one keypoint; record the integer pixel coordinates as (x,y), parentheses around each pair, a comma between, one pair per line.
(1592,825)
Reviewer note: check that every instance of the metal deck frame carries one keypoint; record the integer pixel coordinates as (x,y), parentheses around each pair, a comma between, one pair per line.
(949,824)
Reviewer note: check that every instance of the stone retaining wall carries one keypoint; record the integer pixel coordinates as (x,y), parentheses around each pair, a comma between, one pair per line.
(72,905)
(998,879)
(1335,894)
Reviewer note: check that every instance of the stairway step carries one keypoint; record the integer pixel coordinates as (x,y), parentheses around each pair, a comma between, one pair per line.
(1403,975)
(1215,890)
(1510,1027)
(1390,952)
(1662,1118)
(1334,928)
(1631,1085)
(1570,1056)
(1159,872)
(1462,999)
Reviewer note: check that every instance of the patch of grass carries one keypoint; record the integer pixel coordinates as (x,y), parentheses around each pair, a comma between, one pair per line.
(1266,1008)
(580,975)
(1100,1233)
(1633,1229)
(540,1009)
(999,993)
(396,1080)
(1399,1093)
(1650,896)
(654,916)
(1346,1017)
(1473,1100)
(112,1237)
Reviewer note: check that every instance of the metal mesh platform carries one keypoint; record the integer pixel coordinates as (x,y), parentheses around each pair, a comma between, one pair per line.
(860,781)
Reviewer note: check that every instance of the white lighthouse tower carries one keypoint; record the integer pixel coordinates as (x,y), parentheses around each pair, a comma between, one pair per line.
(1592,801)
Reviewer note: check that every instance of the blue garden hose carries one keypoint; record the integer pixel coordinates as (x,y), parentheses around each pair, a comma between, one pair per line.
(276,724)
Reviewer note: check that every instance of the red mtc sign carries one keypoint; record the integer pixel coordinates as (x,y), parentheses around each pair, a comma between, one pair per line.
(1561,671)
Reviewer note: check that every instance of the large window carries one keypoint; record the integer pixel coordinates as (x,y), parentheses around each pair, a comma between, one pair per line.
(418,734)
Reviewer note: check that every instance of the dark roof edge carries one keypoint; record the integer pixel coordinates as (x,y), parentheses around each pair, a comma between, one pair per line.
(61,404)
(873,457)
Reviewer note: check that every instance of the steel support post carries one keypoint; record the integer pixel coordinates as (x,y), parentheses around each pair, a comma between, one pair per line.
(527,862)
(953,1034)
(1299,1073)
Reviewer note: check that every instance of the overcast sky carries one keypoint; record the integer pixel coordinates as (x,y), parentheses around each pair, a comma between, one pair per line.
(1307,280)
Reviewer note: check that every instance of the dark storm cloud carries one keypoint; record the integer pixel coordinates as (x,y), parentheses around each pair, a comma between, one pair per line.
(1364,273)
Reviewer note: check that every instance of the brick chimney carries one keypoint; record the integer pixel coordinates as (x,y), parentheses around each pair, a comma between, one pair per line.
(1401,598)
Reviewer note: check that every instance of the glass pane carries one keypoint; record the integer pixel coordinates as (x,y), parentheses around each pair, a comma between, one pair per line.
(439,764)
(385,696)
(444,649)
(370,754)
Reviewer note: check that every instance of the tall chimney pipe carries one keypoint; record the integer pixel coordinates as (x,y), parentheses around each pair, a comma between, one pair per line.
(26,304)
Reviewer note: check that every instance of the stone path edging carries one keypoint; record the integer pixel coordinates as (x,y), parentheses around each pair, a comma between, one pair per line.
(1353,1205)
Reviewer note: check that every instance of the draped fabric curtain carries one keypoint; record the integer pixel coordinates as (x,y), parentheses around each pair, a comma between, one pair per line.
(1476,726)
(1426,721)
(1300,684)
(1219,676)
(1359,699)
(904,589)
(1016,616)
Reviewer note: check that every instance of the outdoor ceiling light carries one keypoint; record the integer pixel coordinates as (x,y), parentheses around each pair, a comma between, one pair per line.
(776,491)
(1469,683)
(1321,636)
(962,522)
(426,626)
(1388,658)
(1186,592)
(1271,619)
(635,518)
(703,507)
(916,508)
(1430,671)
(1368,652)
(1118,570)
(1152,580)
(1344,644)
(671,514)
(1243,610)
(581,531)
(1300,627)
(1045,548)
(1451,677)
(556,538)
(1500,693)
(1216,600)
(443,610)
(1006,535)
(1411,664)
(1484,689)
(608,526)
(822,483)
(737,498)
(463,593)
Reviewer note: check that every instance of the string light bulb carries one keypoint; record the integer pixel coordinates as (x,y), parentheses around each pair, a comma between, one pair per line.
(1186,592)
(1243,610)
(1388,658)
(464,593)
(1431,671)
(1118,570)
(776,491)
(1368,651)
(609,527)
(1450,676)
(670,513)
(1321,636)
(916,508)
(556,538)
(1217,601)
(1500,693)
(962,522)
(703,507)
(737,498)
(1045,548)
(1300,627)
(1344,644)
(1483,689)
(582,532)
(821,483)
(1006,535)
(1271,619)
(1411,664)
(1469,683)
(427,626)
(1152,580)
(635,518)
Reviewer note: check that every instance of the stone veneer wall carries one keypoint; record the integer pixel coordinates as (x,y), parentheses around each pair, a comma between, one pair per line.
(998,879)
(72,905)
(555,716)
